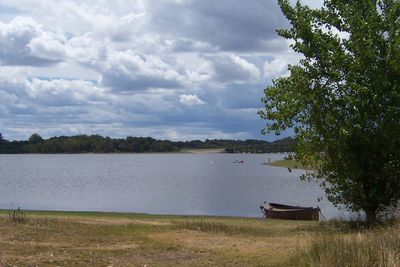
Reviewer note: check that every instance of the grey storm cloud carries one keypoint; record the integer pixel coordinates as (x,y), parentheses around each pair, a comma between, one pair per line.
(234,69)
(119,81)
(230,25)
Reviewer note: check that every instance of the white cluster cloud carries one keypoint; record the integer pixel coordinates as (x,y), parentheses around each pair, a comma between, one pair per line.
(40,95)
(128,71)
(191,100)
(71,66)
(276,67)
(23,42)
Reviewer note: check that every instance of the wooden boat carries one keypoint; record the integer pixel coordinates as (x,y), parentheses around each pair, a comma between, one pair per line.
(287,212)
(288,207)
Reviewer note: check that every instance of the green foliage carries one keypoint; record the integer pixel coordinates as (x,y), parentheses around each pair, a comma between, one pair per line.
(286,144)
(342,99)
(35,139)
(2,140)
(17,216)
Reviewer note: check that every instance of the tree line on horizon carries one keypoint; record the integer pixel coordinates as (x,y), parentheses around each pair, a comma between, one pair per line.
(100,144)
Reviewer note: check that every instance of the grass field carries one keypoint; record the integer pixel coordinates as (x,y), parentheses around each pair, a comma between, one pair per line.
(108,239)
(118,239)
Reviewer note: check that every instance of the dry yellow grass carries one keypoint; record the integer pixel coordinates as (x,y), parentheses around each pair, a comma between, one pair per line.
(359,247)
(93,240)
(103,239)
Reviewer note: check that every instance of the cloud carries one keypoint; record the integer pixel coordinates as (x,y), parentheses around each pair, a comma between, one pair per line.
(49,99)
(23,42)
(47,47)
(278,65)
(275,67)
(149,106)
(229,25)
(234,69)
(60,92)
(9,10)
(189,45)
(310,3)
(128,71)
(191,100)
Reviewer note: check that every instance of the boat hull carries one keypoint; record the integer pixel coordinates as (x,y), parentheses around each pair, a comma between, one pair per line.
(287,207)
(286,212)
(296,214)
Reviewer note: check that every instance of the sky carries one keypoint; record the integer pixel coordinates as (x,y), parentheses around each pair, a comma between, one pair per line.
(169,69)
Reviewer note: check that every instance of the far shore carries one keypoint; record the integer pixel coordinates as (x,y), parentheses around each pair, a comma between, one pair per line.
(203,150)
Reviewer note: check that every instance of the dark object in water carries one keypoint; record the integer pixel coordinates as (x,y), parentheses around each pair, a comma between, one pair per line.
(238,161)
(287,212)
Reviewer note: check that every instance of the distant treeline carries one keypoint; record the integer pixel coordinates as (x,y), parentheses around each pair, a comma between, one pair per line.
(100,144)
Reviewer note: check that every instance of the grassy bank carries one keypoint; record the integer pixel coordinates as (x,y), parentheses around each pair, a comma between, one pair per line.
(118,239)
(203,150)
(289,163)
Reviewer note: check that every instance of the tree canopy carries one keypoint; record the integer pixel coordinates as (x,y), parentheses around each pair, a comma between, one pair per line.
(35,139)
(342,99)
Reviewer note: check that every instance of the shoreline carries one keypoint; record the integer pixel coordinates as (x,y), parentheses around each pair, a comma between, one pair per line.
(119,214)
(203,151)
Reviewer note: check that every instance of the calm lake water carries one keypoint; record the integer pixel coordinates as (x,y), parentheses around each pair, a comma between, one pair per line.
(200,184)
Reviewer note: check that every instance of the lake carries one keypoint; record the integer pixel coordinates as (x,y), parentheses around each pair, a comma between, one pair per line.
(173,183)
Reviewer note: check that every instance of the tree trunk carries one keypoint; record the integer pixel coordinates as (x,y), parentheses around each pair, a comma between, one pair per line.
(371,216)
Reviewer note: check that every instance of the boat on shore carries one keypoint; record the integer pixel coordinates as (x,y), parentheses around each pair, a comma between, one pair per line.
(288,212)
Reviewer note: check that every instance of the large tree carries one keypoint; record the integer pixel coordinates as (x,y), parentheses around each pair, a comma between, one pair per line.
(343,99)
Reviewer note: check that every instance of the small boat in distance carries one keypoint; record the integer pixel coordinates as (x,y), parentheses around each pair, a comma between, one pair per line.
(238,161)
(288,212)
